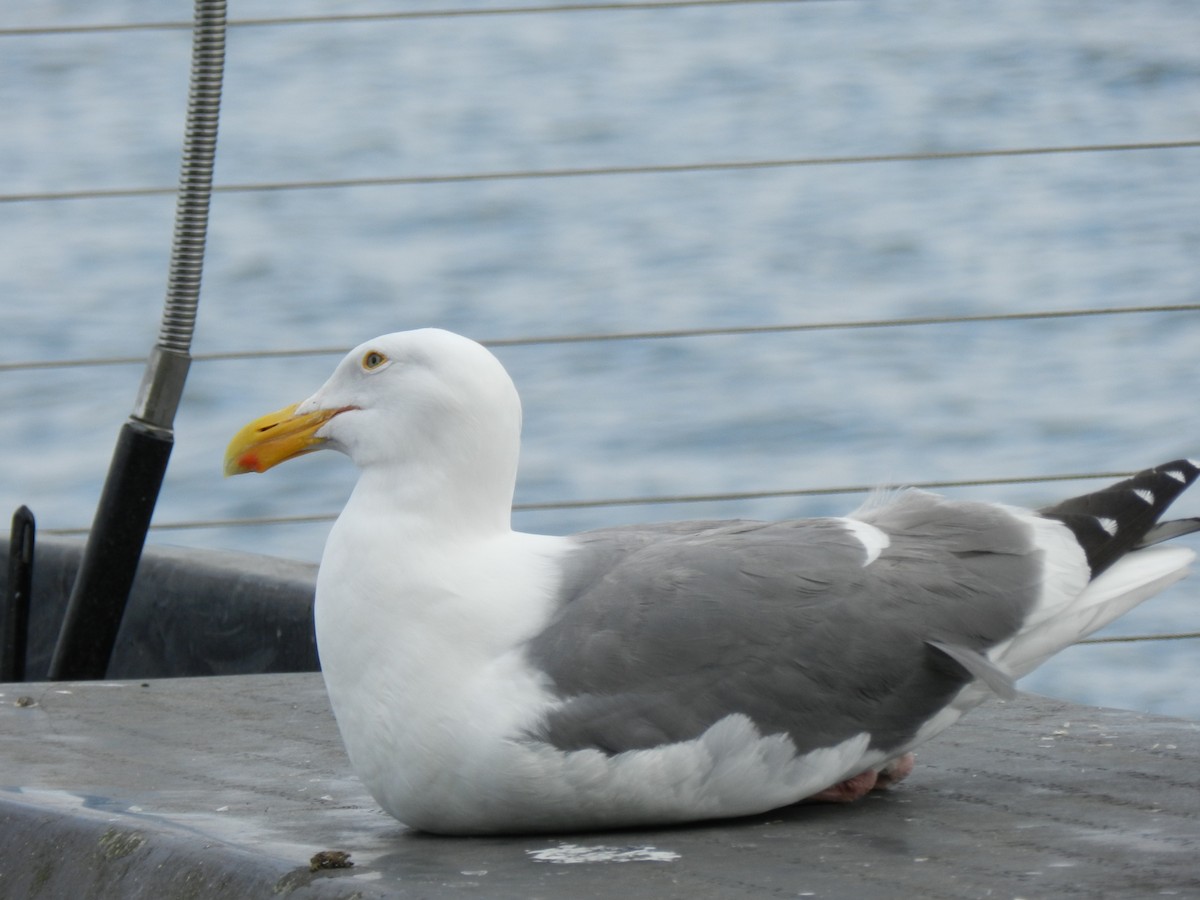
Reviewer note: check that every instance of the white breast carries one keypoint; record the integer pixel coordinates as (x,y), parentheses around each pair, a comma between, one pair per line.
(419,642)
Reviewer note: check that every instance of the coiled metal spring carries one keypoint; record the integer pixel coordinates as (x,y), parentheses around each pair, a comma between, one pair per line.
(195,177)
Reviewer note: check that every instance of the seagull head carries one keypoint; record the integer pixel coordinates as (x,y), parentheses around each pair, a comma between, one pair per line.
(425,399)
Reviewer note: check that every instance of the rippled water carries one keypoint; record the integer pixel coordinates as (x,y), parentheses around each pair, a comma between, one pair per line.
(332,267)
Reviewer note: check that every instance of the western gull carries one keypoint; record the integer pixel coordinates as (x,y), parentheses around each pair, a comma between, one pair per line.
(486,680)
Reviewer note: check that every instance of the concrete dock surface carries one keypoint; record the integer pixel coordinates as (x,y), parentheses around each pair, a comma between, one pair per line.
(239,787)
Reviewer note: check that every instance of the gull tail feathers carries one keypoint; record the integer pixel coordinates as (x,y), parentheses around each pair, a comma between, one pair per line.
(1118,529)
(1135,578)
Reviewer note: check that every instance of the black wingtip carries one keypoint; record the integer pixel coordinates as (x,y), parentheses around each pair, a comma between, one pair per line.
(1111,522)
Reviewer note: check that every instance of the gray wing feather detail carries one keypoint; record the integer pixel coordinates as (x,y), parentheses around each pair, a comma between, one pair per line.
(980,667)
(1165,531)
(664,630)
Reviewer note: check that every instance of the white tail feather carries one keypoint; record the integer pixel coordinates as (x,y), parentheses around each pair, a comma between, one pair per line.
(1136,577)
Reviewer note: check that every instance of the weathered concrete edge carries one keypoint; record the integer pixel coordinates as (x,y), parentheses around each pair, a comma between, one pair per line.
(46,854)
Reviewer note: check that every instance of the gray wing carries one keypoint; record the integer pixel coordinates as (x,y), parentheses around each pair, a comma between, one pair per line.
(665,630)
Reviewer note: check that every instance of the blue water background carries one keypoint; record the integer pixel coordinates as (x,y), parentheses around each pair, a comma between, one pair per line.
(333,267)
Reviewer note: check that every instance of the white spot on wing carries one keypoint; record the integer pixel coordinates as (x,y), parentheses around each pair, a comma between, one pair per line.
(567,854)
(1143,494)
(1178,476)
(873,539)
(1109,525)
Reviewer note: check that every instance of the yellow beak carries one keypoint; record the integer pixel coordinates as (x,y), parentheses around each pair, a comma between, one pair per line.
(275,438)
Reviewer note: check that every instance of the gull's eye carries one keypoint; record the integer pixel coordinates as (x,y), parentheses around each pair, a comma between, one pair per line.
(373,359)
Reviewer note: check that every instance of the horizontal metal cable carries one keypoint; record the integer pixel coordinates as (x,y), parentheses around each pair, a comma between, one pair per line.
(201,524)
(696,498)
(661,500)
(598,171)
(1136,638)
(398,16)
(665,334)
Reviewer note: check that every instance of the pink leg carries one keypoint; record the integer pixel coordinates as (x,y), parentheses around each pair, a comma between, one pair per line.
(895,771)
(864,782)
(846,791)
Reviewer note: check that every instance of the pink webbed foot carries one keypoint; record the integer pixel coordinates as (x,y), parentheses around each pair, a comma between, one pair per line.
(864,782)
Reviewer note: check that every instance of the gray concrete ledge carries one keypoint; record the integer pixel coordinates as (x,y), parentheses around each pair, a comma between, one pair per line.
(226,787)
